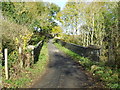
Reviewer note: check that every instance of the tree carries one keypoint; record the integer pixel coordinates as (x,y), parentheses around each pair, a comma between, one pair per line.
(56,31)
(97,23)
(30,13)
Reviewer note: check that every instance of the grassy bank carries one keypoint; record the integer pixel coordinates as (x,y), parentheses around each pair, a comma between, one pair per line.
(26,77)
(107,75)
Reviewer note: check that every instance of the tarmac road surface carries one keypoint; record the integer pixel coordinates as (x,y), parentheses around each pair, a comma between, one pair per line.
(62,72)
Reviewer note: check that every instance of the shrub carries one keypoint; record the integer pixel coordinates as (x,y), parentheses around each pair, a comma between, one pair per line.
(11,34)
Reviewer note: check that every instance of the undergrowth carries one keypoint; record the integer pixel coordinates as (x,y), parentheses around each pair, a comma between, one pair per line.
(106,74)
(28,75)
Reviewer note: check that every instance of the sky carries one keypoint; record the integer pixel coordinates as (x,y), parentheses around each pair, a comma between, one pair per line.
(60,3)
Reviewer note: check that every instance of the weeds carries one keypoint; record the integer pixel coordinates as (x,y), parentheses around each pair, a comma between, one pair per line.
(27,76)
(106,74)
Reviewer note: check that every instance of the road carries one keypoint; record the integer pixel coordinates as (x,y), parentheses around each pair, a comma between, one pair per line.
(62,72)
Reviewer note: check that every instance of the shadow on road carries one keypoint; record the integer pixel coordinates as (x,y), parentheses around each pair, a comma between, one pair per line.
(70,70)
(63,72)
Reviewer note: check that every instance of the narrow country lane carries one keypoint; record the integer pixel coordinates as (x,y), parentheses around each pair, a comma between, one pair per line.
(62,72)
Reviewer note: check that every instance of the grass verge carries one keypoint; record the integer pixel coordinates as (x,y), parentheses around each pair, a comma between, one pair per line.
(107,75)
(28,75)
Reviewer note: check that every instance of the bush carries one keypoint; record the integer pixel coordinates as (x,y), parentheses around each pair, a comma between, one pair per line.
(11,34)
(106,74)
(35,39)
(12,58)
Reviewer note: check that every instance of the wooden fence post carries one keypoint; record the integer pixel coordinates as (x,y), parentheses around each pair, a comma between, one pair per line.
(6,63)
(20,57)
(32,56)
(1,55)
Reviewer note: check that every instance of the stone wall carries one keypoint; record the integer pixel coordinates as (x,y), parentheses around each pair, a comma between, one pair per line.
(37,50)
(91,52)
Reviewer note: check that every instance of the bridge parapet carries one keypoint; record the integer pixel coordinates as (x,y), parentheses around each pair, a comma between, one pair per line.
(92,52)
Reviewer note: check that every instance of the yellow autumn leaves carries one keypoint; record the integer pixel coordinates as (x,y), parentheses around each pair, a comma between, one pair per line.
(23,40)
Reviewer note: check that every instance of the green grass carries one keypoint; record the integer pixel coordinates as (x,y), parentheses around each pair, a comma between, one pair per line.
(26,78)
(82,60)
(107,75)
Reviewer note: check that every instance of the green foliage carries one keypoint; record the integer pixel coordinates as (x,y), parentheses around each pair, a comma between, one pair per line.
(95,68)
(35,39)
(11,35)
(93,23)
(107,75)
(31,14)
(56,30)
(12,58)
(82,60)
(8,9)
(8,43)
(28,75)
(18,30)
